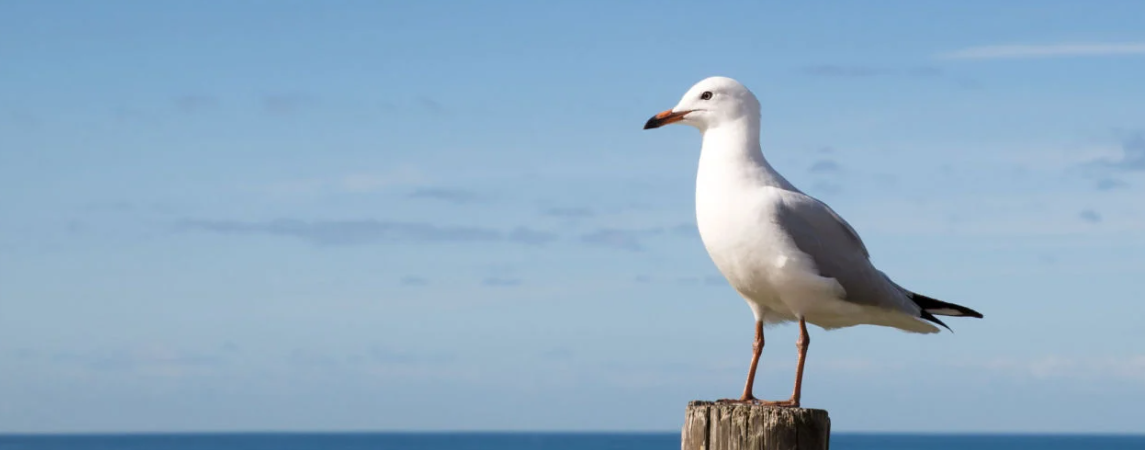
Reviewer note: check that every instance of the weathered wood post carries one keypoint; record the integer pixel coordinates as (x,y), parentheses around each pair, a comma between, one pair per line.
(719,426)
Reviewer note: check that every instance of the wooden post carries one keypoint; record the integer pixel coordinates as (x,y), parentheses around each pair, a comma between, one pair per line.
(719,426)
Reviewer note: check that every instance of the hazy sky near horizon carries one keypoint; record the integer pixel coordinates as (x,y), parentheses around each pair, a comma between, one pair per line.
(357,215)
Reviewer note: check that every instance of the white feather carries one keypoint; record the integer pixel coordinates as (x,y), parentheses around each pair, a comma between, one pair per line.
(786,253)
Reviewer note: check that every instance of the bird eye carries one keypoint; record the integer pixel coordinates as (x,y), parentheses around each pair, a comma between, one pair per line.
(707,95)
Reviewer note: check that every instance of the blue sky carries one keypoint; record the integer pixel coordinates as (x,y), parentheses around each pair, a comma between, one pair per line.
(356,215)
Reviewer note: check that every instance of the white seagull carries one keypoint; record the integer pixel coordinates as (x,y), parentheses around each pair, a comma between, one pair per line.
(789,255)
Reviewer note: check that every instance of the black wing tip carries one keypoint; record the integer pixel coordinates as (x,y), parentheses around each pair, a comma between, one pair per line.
(931,305)
(928,316)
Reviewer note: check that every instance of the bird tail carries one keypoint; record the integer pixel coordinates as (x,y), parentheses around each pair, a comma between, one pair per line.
(941,308)
(931,307)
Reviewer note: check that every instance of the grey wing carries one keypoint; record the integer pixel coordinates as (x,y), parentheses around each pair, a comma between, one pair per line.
(839,253)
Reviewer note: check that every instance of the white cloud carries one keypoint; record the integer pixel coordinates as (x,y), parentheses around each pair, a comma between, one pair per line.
(149,360)
(1056,367)
(361,182)
(1019,51)
(1122,368)
(365,182)
(1026,215)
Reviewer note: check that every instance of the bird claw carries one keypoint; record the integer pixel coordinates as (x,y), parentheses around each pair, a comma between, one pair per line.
(790,403)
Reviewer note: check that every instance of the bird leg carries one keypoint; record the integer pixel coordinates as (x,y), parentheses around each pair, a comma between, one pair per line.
(756,349)
(802,344)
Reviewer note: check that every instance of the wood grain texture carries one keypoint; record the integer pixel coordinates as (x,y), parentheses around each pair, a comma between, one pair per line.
(713,426)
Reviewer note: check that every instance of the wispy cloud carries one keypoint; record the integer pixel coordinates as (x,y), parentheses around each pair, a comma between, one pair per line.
(715,280)
(557,353)
(710,280)
(286,103)
(1109,184)
(303,358)
(451,195)
(76,226)
(413,280)
(501,282)
(354,183)
(826,188)
(528,236)
(569,213)
(629,240)
(132,114)
(390,355)
(1089,215)
(125,207)
(1132,157)
(685,230)
(196,103)
(24,119)
(371,182)
(825,166)
(1131,367)
(151,359)
(432,106)
(1047,51)
(366,231)
(633,239)
(347,232)
(842,71)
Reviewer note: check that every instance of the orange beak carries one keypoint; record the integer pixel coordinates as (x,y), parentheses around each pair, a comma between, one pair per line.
(665,118)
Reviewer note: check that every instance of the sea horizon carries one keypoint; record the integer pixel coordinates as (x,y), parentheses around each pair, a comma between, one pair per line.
(534,440)
(537,432)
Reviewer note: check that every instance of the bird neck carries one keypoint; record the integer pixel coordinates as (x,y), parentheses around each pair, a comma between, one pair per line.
(731,154)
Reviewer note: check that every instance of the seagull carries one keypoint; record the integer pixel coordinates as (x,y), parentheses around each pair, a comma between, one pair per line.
(789,255)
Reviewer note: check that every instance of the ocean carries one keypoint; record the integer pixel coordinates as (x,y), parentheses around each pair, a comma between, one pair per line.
(537,441)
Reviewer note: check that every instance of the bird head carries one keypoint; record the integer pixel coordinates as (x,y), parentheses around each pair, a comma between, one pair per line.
(712,102)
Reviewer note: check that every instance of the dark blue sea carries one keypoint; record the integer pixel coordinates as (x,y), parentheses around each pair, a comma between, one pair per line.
(535,441)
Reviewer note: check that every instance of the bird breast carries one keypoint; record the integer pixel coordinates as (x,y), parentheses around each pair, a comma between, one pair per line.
(741,239)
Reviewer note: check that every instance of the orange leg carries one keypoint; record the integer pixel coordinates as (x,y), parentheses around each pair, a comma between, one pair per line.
(802,344)
(756,349)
